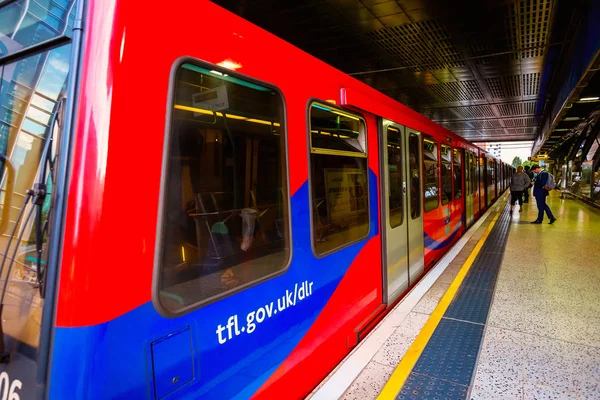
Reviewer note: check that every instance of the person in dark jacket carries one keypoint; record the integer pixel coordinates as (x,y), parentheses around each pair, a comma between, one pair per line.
(518,183)
(526,191)
(540,193)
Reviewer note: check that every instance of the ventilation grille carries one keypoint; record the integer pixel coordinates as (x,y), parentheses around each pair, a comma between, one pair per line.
(516,122)
(481,132)
(531,84)
(457,91)
(415,95)
(492,123)
(456,126)
(528,22)
(520,131)
(513,109)
(475,112)
(504,87)
(424,45)
(438,114)
(495,86)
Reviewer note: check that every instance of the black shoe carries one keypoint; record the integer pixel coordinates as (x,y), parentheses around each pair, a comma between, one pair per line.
(552,221)
(536,222)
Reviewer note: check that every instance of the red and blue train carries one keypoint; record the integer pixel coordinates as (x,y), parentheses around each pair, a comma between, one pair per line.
(202,210)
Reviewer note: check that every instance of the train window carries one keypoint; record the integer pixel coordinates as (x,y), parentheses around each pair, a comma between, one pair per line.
(339,179)
(446,174)
(430,163)
(474,177)
(395,173)
(225,219)
(457,174)
(468,173)
(415,180)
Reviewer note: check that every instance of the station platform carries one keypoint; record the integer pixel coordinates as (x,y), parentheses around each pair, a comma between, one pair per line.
(511,312)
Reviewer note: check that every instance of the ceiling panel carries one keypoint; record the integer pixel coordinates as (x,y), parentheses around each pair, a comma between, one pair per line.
(475,66)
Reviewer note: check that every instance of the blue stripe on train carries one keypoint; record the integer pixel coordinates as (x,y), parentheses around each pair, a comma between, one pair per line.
(433,244)
(112,360)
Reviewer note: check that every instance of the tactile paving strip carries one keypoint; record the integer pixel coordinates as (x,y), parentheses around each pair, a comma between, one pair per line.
(481,279)
(471,305)
(451,352)
(425,387)
(446,365)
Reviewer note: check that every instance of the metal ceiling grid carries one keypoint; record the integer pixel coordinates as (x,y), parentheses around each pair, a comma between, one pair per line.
(474,66)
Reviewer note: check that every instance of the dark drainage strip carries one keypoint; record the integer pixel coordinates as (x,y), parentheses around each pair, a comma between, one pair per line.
(445,367)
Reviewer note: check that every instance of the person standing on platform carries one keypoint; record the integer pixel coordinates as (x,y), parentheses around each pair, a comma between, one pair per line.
(540,193)
(518,183)
(526,191)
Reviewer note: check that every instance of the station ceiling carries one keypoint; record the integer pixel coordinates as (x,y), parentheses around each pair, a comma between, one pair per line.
(478,67)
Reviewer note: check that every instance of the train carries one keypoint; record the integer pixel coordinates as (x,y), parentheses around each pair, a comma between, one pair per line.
(204,210)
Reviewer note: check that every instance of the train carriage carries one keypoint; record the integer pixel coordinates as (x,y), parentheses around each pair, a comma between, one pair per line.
(204,210)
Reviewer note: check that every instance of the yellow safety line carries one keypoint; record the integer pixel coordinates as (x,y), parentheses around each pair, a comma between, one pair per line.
(400,374)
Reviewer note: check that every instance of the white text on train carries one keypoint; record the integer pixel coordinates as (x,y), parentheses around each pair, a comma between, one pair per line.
(289,299)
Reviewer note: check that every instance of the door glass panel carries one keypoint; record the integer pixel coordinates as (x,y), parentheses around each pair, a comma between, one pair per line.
(415,176)
(457,174)
(473,173)
(446,174)
(482,179)
(430,161)
(394,156)
(468,174)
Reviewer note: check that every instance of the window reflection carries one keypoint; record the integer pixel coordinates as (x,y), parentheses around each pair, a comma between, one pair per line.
(446,174)
(26,23)
(395,173)
(339,186)
(457,173)
(415,176)
(226,222)
(25,115)
(430,164)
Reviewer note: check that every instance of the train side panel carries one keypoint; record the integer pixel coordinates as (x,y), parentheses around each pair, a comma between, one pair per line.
(282,335)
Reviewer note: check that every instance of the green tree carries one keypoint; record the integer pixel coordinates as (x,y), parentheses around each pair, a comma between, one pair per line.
(516,161)
(527,163)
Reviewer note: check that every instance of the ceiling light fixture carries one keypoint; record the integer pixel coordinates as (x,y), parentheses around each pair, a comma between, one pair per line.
(589,99)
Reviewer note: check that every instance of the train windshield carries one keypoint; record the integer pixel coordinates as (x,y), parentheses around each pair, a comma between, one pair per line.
(32,88)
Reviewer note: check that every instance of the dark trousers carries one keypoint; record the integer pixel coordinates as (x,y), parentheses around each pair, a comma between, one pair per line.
(526,195)
(540,199)
(516,196)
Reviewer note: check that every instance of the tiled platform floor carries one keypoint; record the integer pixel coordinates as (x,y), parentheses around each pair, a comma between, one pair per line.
(542,339)
(543,335)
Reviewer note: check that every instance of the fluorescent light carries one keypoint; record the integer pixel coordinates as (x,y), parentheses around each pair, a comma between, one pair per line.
(572,119)
(334,111)
(589,99)
(218,114)
(229,64)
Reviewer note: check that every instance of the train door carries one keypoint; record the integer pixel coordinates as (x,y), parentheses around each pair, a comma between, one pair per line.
(482,182)
(469,206)
(402,221)
(475,186)
(489,181)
